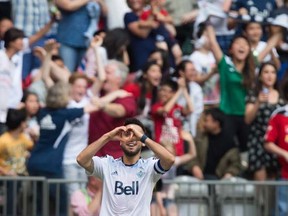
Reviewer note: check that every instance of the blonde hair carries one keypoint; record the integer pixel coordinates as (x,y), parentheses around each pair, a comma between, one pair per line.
(58,95)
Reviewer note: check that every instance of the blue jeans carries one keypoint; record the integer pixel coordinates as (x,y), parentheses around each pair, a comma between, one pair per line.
(71,56)
(282,204)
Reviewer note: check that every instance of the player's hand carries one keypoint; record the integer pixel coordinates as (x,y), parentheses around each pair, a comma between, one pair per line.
(135,131)
(121,134)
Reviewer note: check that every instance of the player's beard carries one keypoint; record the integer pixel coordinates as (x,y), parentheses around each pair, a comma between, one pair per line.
(131,153)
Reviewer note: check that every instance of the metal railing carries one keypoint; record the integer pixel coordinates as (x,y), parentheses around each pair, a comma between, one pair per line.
(29,196)
(234,197)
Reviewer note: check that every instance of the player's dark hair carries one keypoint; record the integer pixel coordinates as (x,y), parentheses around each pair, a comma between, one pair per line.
(135,121)
(15,117)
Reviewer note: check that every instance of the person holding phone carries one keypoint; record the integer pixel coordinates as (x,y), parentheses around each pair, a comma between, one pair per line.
(260,103)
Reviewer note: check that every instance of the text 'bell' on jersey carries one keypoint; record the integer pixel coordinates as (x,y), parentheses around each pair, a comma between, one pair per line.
(127,189)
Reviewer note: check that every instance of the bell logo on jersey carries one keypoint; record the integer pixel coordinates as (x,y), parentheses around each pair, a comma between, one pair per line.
(120,188)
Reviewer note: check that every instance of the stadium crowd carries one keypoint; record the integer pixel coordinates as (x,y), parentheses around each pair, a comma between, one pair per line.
(207,78)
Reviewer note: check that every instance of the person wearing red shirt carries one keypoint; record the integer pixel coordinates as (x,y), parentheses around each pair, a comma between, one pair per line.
(166,114)
(276,142)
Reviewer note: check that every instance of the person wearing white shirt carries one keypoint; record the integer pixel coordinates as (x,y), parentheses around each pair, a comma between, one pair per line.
(128,182)
(10,78)
(78,136)
(187,70)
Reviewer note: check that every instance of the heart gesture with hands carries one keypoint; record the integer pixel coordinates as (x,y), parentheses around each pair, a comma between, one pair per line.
(125,133)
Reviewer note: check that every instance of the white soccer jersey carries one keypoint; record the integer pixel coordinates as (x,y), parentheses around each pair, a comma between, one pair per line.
(127,190)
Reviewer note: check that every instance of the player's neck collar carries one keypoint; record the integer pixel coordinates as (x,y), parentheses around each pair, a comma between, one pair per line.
(129,164)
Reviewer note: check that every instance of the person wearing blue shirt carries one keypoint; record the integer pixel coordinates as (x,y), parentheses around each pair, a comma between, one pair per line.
(55,122)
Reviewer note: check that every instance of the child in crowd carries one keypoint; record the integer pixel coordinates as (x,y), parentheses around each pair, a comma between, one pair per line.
(166,113)
(165,32)
(87,201)
(32,106)
(14,144)
(14,150)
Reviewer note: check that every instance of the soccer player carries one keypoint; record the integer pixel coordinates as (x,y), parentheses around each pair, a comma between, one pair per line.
(128,181)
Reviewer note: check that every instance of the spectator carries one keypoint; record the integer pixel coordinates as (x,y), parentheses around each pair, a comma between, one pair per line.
(236,76)
(31,16)
(183,14)
(55,122)
(260,103)
(205,65)
(86,201)
(253,31)
(78,136)
(145,93)
(217,155)
(70,34)
(14,150)
(32,107)
(10,84)
(142,41)
(19,58)
(216,11)
(51,71)
(113,112)
(276,143)
(165,33)
(162,58)
(116,42)
(15,145)
(282,46)
(166,114)
(186,70)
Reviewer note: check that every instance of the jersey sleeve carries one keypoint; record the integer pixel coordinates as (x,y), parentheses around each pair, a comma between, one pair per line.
(158,170)
(99,166)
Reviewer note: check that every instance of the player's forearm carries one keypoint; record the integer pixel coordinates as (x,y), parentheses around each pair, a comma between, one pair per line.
(166,158)
(84,159)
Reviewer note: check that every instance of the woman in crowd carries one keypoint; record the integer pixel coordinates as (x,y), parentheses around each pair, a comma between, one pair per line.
(260,103)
